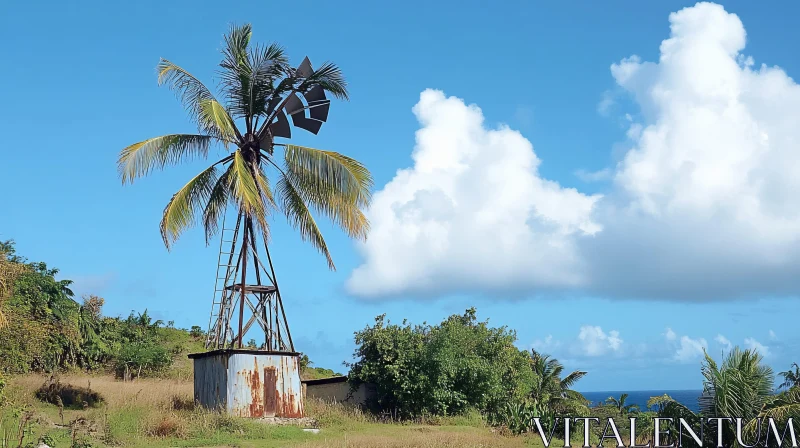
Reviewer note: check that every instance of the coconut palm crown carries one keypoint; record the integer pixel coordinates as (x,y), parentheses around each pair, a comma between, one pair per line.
(255,84)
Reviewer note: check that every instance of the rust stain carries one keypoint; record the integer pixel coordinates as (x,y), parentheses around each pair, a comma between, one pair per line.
(290,409)
(256,406)
(271,395)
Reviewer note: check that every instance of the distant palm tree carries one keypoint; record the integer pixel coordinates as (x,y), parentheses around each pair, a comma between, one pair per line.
(791,377)
(740,386)
(550,389)
(624,409)
(256,82)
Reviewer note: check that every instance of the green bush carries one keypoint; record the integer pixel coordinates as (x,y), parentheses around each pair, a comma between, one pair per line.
(443,369)
(141,356)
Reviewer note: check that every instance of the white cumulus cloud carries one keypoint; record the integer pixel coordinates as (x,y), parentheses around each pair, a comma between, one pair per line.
(594,176)
(472,212)
(593,341)
(707,190)
(724,342)
(702,207)
(546,345)
(752,344)
(690,349)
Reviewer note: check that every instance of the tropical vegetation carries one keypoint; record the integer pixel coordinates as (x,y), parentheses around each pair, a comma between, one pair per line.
(738,386)
(552,391)
(442,369)
(791,377)
(456,369)
(621,406)
(47,330)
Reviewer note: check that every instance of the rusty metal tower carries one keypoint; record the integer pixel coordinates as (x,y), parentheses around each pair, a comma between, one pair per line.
(241,260)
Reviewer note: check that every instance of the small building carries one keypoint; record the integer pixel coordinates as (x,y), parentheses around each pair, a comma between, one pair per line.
(249,383)
(337,389)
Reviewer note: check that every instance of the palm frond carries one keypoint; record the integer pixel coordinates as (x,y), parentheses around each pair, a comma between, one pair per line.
(265,193)
(236,42)
(267,64)
(791,377)
(571,379)
(217,202)
(180,211)
(330,78)
(189,89)
(215,120)
(781,408)
(245,191)
(237,71)
(335,185)
(299,216)
(140,158)
(739,386)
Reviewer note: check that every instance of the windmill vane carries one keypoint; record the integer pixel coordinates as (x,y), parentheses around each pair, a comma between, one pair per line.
(317,105)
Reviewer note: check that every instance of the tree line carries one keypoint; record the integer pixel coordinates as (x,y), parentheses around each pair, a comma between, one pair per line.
(464,364)
(44,329)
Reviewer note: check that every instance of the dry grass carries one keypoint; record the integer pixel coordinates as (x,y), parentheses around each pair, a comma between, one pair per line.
(144,392)
(160,412)
(168,425)
(391,436)
(345,426)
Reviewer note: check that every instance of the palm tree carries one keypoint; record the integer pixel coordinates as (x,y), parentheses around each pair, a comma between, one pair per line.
(791,377)
(257,84)
(741,386)
(624,409)
(550,389)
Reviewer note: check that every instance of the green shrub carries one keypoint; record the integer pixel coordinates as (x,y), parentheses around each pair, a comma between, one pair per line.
(443,369)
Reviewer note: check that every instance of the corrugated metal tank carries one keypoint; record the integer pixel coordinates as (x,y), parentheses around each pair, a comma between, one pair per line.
(249,383)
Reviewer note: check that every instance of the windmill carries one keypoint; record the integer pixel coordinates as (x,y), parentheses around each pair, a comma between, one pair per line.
(265,98)
(256,290)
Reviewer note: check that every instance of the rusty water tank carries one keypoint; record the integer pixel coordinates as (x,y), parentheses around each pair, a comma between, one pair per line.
(249,383)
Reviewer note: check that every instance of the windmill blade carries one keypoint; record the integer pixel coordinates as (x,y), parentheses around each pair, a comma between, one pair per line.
(316,93)
(319,111)
(281,127)
(318,105)
(294,105)
(304,70)
(308,124)
(273,103)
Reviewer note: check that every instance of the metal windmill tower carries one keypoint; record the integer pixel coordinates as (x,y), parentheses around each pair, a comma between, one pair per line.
(246,292)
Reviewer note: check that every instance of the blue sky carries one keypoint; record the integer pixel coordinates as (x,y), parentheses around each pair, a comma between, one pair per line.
(619,212)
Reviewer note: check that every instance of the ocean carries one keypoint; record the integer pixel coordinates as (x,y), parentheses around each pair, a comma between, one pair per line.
(687,398)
